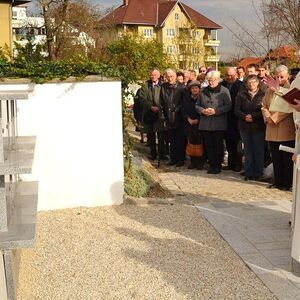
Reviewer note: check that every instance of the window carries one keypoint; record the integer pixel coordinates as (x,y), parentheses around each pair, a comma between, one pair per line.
(170,32)
(171,49)
(148,32)
(196,34)
(15,14)
(176,16)
(195,50)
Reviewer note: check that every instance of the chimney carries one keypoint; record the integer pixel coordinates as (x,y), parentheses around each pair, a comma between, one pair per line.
(125,2)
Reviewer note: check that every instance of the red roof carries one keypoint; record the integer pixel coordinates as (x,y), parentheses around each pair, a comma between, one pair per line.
(154,13)
(282,52)
(245,62)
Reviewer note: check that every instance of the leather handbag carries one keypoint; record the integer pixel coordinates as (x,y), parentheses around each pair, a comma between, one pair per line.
(194,150)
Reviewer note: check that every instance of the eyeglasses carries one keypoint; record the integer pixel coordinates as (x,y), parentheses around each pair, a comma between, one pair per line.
(212,80)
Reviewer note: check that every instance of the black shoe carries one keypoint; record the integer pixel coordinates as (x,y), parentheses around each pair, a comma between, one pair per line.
(200,167)
(237,169)
(191,166)
(243,173)
(180,164)
(171,163)
(248,178)
(213,171)
(259,178)
(227,168)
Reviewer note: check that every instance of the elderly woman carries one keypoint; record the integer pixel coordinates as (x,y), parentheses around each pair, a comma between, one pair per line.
(280,130)
(191,124)
(248,104)
(213,104)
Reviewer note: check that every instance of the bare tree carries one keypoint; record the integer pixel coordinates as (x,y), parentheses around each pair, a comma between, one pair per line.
(262,37)
(286,16)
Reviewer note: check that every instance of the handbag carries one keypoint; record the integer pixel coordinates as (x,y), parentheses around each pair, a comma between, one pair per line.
(194,150)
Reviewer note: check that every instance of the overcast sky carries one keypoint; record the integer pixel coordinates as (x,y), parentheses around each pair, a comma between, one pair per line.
(219,11)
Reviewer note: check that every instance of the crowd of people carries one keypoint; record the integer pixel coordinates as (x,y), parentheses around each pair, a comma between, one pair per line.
(202,117)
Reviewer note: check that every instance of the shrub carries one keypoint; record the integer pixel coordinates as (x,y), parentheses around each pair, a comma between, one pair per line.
(137,182)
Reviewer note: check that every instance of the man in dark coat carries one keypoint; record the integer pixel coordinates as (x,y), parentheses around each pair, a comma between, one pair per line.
(152,116)
(171,97)
(232,135)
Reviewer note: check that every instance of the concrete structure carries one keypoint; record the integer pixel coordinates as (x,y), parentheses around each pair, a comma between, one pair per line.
(188,37)
(18,199)
(79,151)
(6,21)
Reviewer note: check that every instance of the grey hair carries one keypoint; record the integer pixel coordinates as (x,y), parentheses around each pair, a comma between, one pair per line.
(169,70)
(215,74)
(282,68)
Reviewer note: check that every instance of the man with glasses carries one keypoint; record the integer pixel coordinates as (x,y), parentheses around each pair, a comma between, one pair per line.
(232,135)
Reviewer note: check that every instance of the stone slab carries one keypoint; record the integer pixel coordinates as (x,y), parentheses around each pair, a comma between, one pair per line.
(11,262)
(21,230)
(18,155)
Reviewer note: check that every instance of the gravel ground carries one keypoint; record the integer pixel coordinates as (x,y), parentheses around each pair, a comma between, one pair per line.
(133,252)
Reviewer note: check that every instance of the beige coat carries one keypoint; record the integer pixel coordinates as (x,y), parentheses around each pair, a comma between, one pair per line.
(283,128)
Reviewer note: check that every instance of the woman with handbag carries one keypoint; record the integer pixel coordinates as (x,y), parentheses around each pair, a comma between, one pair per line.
(194,147)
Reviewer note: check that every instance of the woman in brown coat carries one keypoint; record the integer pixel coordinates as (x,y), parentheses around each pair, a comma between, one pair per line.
(280,129)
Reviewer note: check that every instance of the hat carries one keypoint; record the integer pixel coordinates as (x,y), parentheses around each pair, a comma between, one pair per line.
(194,83)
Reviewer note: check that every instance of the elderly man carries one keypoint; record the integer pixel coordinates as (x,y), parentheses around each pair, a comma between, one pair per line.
(152,116)
(280,129)
(171,97)
(232,135)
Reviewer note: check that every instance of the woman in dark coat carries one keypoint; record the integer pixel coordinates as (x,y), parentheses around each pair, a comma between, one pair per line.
(248,105)
(213,105)
(191,124)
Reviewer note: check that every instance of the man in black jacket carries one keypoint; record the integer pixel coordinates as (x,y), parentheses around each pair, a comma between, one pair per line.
(232,136)
(152,116)
(171,97)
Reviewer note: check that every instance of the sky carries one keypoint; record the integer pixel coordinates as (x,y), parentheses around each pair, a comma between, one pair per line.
(219,11)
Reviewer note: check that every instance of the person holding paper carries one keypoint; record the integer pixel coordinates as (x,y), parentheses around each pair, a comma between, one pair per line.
(280,129)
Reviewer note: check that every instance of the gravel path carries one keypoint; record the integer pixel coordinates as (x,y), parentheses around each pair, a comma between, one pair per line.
(133,252)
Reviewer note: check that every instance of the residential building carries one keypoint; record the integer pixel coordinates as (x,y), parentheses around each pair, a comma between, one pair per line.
(188,37)
(6,21)
(27,28)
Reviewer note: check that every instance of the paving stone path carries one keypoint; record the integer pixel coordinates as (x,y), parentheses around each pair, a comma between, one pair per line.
(252,218)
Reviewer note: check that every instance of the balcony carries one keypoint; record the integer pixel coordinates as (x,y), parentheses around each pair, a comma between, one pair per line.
(212,58)
(212,43)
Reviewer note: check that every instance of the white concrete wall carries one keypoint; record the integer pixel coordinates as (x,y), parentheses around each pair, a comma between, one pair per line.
(79,147)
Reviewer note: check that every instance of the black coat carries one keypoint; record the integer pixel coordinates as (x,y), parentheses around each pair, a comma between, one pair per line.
(171,102)
(232,120)
(189,111)
(244,105)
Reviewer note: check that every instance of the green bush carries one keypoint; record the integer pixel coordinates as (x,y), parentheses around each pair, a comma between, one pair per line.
(137,182)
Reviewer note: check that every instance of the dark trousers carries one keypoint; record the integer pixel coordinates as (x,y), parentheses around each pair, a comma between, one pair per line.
(213,141)
(161,143)
(254,152)
(234,153)
(177,144)
(282,163)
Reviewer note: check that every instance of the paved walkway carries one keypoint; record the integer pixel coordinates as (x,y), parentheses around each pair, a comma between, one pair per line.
(250,217)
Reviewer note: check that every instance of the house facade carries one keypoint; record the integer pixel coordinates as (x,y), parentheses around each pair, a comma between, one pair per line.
(6,38)
(188,37)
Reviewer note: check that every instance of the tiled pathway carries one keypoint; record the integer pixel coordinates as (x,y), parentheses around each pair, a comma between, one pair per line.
(250,217)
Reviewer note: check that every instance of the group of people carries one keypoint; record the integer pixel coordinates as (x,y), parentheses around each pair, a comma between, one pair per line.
(202,116)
